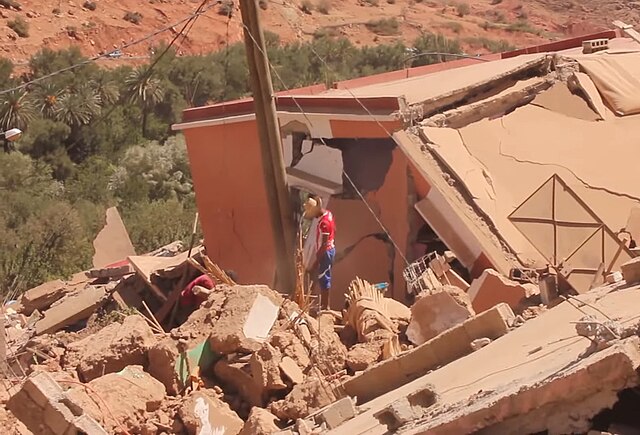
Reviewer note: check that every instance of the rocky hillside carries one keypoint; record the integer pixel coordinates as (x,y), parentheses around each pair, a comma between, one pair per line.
(483,25)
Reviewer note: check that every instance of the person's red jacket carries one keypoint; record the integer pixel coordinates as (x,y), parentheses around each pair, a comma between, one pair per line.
(187,298)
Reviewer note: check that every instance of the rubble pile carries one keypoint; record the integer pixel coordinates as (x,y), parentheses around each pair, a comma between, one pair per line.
(249,360)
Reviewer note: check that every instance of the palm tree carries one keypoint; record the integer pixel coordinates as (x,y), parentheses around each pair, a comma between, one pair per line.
(145,91)
(47,98)
(78,106)
(16,109)
(107,89)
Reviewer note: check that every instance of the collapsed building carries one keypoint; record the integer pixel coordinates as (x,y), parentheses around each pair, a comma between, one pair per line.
(508,249)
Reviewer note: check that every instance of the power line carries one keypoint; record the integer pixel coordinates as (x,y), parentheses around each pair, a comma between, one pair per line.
(362,198)
(199,11)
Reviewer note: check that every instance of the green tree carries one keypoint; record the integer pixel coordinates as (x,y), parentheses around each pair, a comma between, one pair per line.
(16,110)
(145,91)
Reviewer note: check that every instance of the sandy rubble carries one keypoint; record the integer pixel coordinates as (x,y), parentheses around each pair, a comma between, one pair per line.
(234,366)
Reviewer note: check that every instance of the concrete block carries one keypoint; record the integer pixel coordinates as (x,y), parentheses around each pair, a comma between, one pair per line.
(58,417)
(594,45)
(42,389)
(337,413)
(492,288)
(396,414)
(437,311)
(441,350)
(492,323)
(631,271)
(26,410)
(451,345)
(548,285)
(291,370)
(614,278)
(71,310)
(86,425)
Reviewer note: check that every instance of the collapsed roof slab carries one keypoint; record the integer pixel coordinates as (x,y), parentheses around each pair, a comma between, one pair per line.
(563,403)
(545,350)
(452,216)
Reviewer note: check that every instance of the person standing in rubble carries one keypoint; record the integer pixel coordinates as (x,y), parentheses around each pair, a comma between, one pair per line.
(324,243)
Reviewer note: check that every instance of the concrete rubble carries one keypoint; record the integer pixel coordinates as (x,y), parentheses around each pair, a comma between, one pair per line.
(250,361)
(522,323)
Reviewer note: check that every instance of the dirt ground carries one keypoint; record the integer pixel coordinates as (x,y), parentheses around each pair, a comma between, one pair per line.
(58,24)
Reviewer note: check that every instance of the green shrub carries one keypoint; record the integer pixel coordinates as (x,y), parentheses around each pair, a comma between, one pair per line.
(326,32)
(20,26)
(384,26)
(324,6)
(463,9)
(133,17)
(522,26)
(454,26)
(306,6)
(90,5)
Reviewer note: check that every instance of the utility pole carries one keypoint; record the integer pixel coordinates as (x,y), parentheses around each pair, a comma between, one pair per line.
(275,180)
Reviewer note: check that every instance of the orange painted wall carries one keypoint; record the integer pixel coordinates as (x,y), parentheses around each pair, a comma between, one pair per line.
(370,260)
(231,198)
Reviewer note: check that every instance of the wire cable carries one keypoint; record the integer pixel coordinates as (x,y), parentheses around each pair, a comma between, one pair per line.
(201,10)
(362,198)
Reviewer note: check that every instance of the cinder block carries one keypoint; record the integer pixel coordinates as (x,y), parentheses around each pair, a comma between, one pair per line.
(26,410)
(339,412)
(492,323)
(86,425)
(42,389)
(58,417)
(631,271)
(396,414)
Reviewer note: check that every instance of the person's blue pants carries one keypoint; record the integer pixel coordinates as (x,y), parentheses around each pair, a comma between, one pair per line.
(325,263)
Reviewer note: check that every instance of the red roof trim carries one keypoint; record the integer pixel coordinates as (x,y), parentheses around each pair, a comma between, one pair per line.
(325,101)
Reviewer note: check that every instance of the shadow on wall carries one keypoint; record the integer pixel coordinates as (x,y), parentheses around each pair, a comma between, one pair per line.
(366,161)
(377,236)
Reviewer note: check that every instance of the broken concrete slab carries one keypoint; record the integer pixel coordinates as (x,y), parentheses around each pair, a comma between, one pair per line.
(236,376)
(532,357)
(111,349)
(43,407)
(129,394)
(407,409)
(439,351)
(436,311)
(492,288)
(205,414)
(535,408)
(71,310)
(42,296)
(337,413)
(262,316)
(631,271)
(303,399)
(363,355)
(112,243)
(260,422)
(291,370)
(247,316)
(265,368)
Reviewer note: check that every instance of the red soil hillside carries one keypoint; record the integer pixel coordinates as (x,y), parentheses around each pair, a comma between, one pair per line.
(479,25)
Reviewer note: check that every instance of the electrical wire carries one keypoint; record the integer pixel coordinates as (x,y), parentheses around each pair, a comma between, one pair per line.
(199,11)
(359,193)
